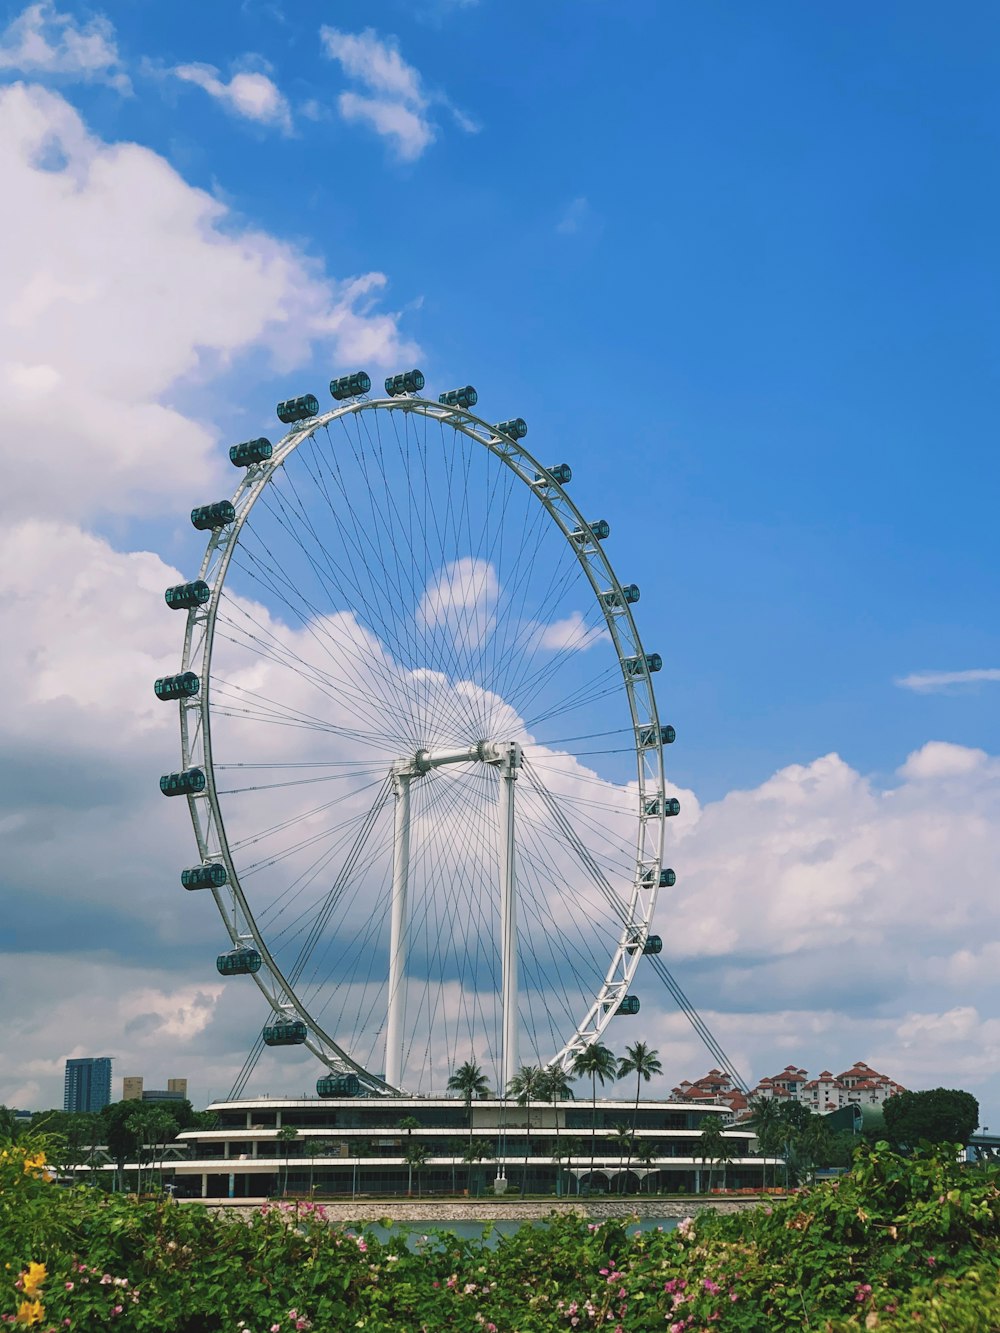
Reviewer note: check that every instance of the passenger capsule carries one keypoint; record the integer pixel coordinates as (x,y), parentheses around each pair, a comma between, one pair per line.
(183,596)
(516,429)
(188,783)
(285,1032)
(350,386)
(639,666)
(654,944)
(650,736)
(298,409)
(338,1085)
(463,398)
(597,531)
(665,878)
(240,962)
(211,517)
(211,875)
(250,452)
(560,472)
(184,686)
(410,381)
(629,1005)
(671,806)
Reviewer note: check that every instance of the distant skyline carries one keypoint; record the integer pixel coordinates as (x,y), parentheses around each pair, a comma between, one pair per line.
(738,266)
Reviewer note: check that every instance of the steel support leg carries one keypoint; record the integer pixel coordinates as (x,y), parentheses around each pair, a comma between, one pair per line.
(397,932)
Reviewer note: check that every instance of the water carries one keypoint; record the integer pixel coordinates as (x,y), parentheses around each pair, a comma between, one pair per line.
(413,1231)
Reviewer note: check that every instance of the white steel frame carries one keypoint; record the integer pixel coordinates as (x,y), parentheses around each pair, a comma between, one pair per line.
(209,828)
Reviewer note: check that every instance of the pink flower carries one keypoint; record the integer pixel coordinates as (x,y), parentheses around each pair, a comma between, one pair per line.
(275,1328)
(710,1286)
(106,1280)
(69,1286)
(862,1291)
(117,1309)
(931,1261)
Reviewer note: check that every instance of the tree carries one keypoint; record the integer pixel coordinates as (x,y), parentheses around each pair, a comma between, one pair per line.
(624,1139)
(414,1156)
(555,1090)
(470,1081)
(314,1148)
(409,1123)
(643,1063)
(599,1063)
(709,1144)
(9,1126)
(286,1135)
(479,1150)
(527,1084)
(765,1117)
(646,1154)
(942,1115)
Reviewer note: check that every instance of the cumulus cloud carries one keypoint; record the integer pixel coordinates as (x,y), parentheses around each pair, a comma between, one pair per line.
(131,283)
(394,103)
(41,40)
(930,682)
(249,93)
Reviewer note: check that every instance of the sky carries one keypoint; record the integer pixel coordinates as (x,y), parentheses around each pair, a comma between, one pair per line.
(736,264)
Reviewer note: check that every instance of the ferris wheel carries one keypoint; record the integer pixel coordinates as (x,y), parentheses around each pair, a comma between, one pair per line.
(419,743)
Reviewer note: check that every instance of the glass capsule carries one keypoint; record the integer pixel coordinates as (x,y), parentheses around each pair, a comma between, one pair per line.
(515,429)
(463,398)
(184,596)
(184,686)
(188,783)
(211,875)
(409,381)
(350,386)
(210,517)
(298,409)
(249,452)
(338,1085)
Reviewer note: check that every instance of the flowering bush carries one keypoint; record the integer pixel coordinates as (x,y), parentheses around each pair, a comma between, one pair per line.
(899,1244)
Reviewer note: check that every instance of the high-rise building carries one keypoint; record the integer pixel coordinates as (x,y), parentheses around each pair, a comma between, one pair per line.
(132,1088)
(88,1084)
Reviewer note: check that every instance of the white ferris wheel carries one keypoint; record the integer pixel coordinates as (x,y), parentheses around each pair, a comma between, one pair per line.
(419,743)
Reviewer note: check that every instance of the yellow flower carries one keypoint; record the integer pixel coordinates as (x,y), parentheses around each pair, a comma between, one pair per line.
(32,1279)
(36,1163)
(30,1312)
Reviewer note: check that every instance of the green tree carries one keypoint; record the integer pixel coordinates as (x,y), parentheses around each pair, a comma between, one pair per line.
(597,1062)
(479,1150)
(409,1123)
(942,1115)
(314,1148)
(527,1085)
(286,1136)
(469,1080)
(765,1122)
(10,1127)
(624,1138)
(556,1088)
(709,1144)
(646,1153)
(644,1064)
(414,1156)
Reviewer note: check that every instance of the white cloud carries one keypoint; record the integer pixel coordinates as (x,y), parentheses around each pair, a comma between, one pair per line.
(575,218)
(942,759)
(250,94)
(395,103)
(409,131)
(130,284)
(929,682)
(43,41)
(571,633)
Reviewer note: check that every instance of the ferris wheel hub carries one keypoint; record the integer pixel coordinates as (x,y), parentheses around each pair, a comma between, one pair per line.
(507,753)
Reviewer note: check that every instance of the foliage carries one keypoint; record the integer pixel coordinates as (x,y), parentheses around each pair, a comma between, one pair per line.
(898,1244)
(942,1115)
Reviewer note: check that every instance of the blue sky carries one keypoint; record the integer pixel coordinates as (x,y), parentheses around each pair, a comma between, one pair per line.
(737,264)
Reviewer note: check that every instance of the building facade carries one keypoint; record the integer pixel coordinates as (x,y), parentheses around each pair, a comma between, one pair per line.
(134,1090)
(356,1146)
(87,1084)
(858,1086)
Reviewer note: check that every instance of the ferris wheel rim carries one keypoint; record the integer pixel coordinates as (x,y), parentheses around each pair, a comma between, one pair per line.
(196,727)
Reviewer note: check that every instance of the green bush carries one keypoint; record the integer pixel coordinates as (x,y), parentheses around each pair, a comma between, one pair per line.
(897,1244)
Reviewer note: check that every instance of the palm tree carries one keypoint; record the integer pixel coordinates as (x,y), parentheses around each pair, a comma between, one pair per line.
(314,1148)
(285,1135)
(646,1154)
(470,1081)
(414,1156)
(409,1123)
(623,1137)
(765,1119)
(568,1149)
(556,1089)
(597,1061)
(527,1083)
(479,1150)
(643,1063)
(709,1144)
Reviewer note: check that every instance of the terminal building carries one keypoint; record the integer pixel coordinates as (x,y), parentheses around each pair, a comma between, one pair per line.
(357,1145)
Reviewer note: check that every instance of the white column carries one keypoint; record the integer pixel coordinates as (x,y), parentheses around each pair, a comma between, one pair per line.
(509,1062)
(397,932)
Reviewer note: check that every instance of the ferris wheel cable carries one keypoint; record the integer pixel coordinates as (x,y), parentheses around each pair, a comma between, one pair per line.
(322,835)
(291,718)
(589,736)
(313,622)
(279,786)
(337,889)
(574,703)
(249,1065)
(606,680)
(282,825)
(321,681)
(339,570)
